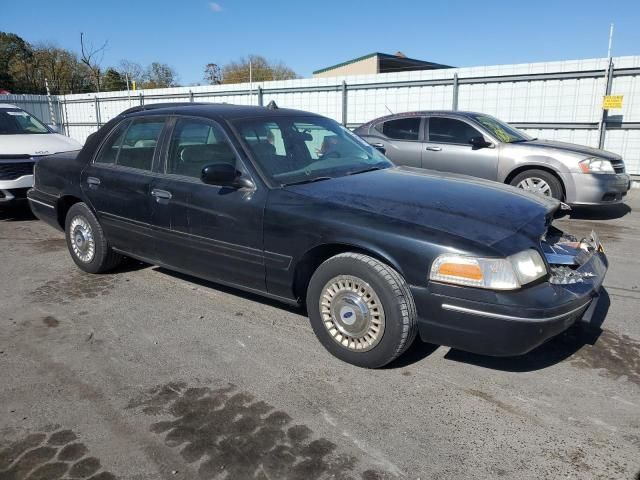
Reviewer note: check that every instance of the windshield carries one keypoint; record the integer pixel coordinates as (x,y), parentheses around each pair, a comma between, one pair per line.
(303,149)
(501,130)
(14,121)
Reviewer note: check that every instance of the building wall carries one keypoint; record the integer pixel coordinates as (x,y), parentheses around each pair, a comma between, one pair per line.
(554,100)
(363,67)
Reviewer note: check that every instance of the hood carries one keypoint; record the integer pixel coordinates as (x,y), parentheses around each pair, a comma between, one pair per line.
(572,148)
(37,144)
(478,210)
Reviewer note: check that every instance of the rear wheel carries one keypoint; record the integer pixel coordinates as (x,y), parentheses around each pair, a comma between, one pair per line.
(539,182)
(361,310)
(86,241)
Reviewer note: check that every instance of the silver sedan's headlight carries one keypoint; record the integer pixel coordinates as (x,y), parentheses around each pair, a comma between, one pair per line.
(596,165)
(508,273)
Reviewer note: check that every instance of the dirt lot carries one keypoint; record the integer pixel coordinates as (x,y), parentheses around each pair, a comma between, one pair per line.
(145,374)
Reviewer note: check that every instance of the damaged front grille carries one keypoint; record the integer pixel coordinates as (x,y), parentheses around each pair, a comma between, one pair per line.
(567,255)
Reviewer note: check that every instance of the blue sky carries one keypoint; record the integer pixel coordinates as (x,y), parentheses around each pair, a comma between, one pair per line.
(308,34)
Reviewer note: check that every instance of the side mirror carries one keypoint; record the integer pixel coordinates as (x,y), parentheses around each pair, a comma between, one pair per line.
(479,142)
(380,147)
(54,128)
(224,175)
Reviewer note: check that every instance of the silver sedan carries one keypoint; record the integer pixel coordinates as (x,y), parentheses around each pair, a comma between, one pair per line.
(482,146)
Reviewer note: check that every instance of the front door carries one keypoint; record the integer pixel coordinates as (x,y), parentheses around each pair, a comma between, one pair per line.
(448,149)
(117,184)
(207,230)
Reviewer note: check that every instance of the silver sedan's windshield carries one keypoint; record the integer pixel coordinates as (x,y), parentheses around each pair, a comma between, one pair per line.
(14,121)
(501,130)
(301,149)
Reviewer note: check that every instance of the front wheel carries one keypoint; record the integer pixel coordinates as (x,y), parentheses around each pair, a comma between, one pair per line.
(539,182)
(86,241)
(361,310)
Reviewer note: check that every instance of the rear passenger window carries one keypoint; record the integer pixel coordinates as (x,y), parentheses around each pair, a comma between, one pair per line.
(196,144)
(402,128)
(109,151)
(139,143)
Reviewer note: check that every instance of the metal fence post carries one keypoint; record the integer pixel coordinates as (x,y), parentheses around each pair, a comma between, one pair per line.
(344,103)
(66,118)
(260,99)
(602,128)
(97,103)
(454,105)
(191,96)
(141,99)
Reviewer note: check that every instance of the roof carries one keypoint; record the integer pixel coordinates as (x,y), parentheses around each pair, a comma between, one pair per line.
(225,110)
(403,63)
(417,113)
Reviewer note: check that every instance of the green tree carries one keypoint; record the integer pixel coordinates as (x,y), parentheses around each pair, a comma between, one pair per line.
(112,81)
(262,70)
(160,75)
(13,51)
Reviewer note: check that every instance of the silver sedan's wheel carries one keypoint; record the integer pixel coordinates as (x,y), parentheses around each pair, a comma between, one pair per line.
(82,240)
(352,313)
(535,185)
(539,182)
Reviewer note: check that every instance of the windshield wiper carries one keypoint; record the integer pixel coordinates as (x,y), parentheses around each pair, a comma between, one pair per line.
(308,180)
(521,140)
(370,169)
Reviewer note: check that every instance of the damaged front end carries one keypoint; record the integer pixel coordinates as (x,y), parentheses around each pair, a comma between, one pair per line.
(573,261)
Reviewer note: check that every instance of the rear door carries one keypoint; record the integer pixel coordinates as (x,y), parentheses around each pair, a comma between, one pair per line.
(207,230)
(400,138)
(447,148)
(118,181)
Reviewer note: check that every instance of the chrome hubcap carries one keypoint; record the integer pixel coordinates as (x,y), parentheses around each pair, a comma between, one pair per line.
(352,313)
(535,185)
(82,242)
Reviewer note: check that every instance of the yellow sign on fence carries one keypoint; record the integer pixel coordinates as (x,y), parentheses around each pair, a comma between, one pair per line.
(612,101)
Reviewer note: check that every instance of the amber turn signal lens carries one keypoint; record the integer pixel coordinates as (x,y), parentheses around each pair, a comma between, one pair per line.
(472,272)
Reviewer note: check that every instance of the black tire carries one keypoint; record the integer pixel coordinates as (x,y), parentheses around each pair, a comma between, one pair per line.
(400,324)
(554,183)
(103,258)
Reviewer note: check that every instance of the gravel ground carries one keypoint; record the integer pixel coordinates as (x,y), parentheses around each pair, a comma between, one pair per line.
(145,374)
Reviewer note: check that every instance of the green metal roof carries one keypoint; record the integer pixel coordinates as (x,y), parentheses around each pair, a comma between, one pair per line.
(348,62)
(385,57)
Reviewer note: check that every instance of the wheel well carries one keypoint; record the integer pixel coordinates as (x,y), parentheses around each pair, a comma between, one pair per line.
(314,257)
(519,170)
(64,204)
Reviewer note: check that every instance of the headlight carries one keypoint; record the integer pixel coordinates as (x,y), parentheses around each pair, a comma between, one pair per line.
(492,273)
(596,165)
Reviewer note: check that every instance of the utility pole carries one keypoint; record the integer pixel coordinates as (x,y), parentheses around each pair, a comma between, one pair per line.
(608,82)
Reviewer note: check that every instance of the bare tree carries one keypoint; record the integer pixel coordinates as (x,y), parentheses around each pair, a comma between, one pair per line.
(92,58)
(213,74)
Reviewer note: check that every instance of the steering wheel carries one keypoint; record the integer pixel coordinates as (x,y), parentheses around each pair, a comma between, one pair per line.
(332,154)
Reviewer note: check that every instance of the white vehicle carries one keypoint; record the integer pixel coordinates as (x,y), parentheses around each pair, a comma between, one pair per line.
(23,138)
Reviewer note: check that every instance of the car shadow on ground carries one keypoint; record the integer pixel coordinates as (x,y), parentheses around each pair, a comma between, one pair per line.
(553,351)
(16,213)
(233,291)
(609,212)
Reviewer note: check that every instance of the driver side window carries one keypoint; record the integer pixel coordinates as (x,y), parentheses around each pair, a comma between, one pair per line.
(195,144)
(448,130)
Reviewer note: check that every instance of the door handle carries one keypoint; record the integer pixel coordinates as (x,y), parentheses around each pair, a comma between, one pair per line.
(161,194)
(434,149)
(377,145)
(93,182)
